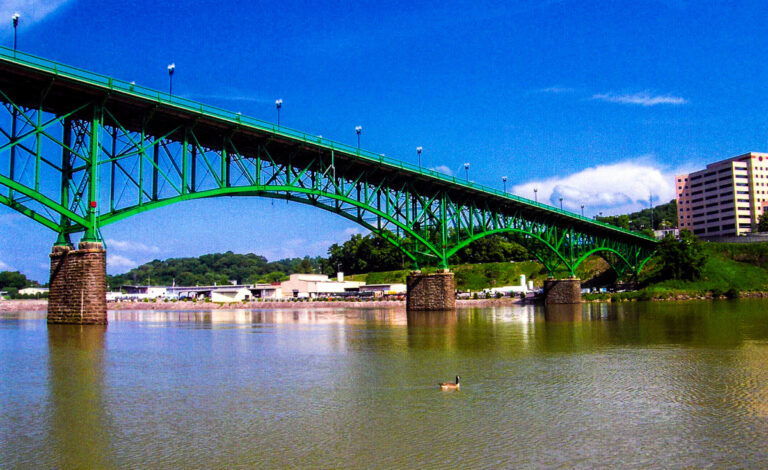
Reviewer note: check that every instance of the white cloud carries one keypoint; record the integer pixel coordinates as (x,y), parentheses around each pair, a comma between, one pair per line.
(232,95)
(352,231)
(120,262)
(557,90)
(642,99)
(5,267)
(442,169)
(135,247)
(30,11)
(615,189)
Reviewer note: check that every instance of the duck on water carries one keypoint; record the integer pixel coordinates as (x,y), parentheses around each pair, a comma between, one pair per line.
(450,385)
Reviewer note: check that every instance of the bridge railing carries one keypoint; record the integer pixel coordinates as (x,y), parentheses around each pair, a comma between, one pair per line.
(140,91)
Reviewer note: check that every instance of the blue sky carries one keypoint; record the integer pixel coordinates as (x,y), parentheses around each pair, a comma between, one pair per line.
(597,102)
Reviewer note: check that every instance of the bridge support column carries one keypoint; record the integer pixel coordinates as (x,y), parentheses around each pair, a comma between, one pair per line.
(430,292)
(78,285)
(562,291)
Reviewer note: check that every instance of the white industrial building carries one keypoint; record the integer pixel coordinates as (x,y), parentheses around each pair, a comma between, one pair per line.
(523,288)
(33,291)
(380,290)
(317,285)
(231,294)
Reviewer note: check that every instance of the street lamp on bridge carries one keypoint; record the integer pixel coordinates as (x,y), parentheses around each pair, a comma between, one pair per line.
(535,195)
(466,170)
(418,152)
(582,210)
(561,203)
(278,105)
(358,130)
(504,180)
(15,19)
(171,69)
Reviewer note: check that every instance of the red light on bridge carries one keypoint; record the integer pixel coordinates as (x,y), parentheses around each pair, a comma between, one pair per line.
(93,204)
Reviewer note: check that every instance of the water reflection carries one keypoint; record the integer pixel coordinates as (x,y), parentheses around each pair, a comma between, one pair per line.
(606,385)
(78,415)
(432,330)
(562,312)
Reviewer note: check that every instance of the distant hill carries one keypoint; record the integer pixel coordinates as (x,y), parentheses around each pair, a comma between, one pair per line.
(665,214)
(218,268)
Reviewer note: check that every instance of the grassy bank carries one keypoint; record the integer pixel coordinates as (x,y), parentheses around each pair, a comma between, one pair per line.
(731,270)
(476,277)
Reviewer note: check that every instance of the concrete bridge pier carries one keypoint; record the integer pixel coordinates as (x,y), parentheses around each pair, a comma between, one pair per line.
(78,285)
(430,292)
(562,291)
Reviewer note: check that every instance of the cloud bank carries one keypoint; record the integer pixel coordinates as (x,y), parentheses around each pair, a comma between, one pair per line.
(642,99)
(135,247)
(115,262)
(442,169)
(617,188)
(557,90)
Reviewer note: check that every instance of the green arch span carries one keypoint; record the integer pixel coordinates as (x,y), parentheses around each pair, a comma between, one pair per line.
(273,192)
(468,241)
(571,267)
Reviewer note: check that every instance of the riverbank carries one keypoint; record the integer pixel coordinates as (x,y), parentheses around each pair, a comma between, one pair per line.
(42,305)
(668,295)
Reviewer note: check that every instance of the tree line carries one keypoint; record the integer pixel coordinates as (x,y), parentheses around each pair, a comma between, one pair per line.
(216,268)
(359,254)
(12,281)
(664,216)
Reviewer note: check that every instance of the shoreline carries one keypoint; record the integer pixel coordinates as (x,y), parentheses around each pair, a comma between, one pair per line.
(42,305)
(25,305)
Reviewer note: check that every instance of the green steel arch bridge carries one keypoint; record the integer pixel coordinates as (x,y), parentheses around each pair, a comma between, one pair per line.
(79,151)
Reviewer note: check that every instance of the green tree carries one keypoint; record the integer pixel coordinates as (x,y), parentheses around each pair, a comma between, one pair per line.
(762,222)
(13,279)
(305,266)
(682,259)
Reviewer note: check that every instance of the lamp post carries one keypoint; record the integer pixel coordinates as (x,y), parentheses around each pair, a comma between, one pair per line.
(561,203)
(650,201)
(171,69)
(15,19)
(358,130)
(278,105)
(535,195)
(582,210)
(504,180)
(466,170)
(418,152)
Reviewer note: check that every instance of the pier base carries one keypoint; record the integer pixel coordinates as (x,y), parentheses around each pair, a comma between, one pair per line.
(562,291)
(430,292)
(78,285)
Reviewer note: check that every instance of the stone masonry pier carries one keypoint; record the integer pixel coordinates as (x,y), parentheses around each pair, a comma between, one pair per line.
(430,292)
(562,291)
(78,285)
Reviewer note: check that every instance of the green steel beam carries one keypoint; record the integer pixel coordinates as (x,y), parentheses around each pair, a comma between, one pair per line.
(426,215)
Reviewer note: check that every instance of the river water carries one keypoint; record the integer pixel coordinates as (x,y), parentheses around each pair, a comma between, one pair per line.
(633,385)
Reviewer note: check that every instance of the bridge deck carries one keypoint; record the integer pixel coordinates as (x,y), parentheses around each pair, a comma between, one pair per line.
(27,79)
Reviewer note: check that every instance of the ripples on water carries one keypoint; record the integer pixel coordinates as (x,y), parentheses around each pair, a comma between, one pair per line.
(632,385)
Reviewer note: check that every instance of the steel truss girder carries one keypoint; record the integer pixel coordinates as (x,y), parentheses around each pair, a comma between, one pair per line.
(79,170)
